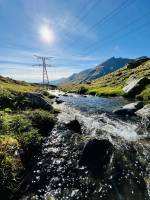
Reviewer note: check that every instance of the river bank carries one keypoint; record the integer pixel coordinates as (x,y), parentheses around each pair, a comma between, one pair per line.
(26,117)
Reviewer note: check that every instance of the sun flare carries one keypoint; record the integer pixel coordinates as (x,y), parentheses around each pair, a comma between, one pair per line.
(47,34)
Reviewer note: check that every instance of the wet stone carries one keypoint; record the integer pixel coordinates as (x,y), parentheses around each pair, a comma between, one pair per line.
(75,126)
(96,156)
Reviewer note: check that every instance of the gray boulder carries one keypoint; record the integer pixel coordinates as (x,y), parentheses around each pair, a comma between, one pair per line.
(144,112)
(38,100)
(129,109)
(135,86)
(136,105)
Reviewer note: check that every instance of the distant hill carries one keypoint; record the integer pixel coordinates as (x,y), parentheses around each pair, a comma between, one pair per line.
(100,70)
(58,81)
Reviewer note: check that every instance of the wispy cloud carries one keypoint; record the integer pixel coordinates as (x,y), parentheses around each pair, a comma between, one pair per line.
(86,58)
(116,48)
(34,74)
(71,24)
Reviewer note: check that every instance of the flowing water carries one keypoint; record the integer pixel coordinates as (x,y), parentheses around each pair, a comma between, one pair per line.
(58,174)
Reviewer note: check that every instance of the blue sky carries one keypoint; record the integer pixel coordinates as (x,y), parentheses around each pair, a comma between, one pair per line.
(78,33)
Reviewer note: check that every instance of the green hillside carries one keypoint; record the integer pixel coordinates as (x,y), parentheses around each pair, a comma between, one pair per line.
(113,83)
(8,84)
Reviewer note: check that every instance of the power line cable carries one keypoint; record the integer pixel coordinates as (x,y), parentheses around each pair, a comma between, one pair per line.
(81,17)
(84,16)
(117,32)
(108,17)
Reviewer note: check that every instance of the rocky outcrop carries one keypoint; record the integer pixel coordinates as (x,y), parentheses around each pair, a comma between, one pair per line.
(135,63)
(38,100)
(136,105)
(144,112)
(129,109)
(96,156)
(135,86)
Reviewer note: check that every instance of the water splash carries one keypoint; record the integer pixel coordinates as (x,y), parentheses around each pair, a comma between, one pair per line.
(93,124)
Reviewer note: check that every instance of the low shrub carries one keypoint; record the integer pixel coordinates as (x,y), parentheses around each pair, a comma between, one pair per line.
(10,165)
(6,99)
(42,120)
(20,127)
(15,123)
(145,94)
(49,95)
(82,90)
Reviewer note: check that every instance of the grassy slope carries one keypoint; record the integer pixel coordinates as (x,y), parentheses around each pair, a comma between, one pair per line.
(16,86)
(113,83)
(22,129)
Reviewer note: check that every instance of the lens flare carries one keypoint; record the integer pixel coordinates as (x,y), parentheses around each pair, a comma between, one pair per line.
(47,34)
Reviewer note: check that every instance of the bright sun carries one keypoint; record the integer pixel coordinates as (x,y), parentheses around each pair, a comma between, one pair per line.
(47,34)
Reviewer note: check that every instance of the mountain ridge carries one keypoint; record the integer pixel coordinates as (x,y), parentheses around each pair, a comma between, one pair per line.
(85,76)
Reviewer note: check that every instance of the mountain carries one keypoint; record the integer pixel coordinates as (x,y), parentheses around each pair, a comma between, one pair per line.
(58,81)
(100,70)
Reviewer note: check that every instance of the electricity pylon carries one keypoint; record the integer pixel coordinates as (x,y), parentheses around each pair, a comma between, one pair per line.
(44,65)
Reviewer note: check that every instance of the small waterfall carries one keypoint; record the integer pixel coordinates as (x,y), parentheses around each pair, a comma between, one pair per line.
(145,124)
(103,123)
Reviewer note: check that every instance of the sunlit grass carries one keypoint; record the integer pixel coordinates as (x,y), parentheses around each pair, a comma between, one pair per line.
(145,94)
(110,91)
(8,140)
(12,87)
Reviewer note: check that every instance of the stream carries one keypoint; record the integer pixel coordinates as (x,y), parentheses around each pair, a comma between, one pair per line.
(92,154)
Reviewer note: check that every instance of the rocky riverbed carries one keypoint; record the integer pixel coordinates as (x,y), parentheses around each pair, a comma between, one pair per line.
(92,154)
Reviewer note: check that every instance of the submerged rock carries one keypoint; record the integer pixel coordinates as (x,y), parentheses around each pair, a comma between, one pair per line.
(65,95)
(59,101)
(135,86)
(129,109)
(75,126)
(96,156)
